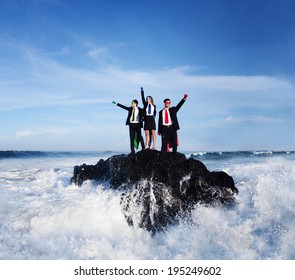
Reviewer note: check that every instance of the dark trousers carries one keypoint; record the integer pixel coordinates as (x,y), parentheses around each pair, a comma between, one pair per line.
(134,127)
(169,135)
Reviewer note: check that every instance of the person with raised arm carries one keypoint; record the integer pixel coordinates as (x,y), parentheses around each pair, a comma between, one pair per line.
(149,113)
(134,120)
(168,125)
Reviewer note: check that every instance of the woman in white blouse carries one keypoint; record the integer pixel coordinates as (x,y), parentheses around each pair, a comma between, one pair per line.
(149,114)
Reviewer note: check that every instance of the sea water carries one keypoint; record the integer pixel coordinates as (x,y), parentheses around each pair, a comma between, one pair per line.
(44,216)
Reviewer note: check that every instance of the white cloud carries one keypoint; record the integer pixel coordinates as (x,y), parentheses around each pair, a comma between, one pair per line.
(97,52)
(23,133)
(258,119)
(50,82)
(65,50)
(214,101)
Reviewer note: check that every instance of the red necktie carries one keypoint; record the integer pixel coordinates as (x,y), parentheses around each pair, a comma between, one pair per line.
(166,117)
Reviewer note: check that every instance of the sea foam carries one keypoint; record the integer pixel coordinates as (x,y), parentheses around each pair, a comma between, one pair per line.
(43,216)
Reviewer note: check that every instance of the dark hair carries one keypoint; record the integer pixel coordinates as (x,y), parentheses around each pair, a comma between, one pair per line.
(135,101)
(152,100)
(167,99)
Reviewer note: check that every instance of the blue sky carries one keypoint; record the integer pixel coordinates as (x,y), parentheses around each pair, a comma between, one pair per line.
(62,63)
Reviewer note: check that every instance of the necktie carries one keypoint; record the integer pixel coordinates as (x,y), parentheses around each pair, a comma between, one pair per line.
(166,116)
(149,109)
(133,115)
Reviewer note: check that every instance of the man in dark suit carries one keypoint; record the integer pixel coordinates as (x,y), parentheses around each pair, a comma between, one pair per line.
(168,125)
(134,120)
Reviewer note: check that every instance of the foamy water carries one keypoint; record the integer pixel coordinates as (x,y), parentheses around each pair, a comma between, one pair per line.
(43,216)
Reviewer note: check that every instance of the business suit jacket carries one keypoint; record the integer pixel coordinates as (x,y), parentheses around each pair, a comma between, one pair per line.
(129,109)
(173,115)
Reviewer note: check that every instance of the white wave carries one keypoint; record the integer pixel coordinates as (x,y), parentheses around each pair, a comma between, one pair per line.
(262,152)
(44,217)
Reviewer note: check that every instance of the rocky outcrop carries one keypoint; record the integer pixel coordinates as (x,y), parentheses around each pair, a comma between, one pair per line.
(154,190)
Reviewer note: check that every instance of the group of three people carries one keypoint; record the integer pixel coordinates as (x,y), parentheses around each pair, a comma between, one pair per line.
(167,123)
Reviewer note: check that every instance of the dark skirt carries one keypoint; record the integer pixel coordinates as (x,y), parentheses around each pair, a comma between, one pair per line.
(149,123)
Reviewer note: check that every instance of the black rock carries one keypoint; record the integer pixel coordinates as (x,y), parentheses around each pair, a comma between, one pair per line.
(156,190)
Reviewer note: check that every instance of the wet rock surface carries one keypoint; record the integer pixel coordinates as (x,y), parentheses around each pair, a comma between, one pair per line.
(155,191)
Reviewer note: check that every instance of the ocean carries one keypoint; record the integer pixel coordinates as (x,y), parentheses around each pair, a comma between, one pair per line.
(44,217)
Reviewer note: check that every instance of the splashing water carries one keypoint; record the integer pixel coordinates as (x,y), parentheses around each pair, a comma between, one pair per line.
(43,216)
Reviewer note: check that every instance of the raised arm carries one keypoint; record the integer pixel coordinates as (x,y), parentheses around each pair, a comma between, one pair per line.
(178,106)
(142,96)
(120,105)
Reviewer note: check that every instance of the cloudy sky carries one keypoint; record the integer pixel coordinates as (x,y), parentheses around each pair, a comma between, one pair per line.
(62,63)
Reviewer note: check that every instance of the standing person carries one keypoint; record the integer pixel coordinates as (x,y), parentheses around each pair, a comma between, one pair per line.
(149,114)
(135,124)
(168,125)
